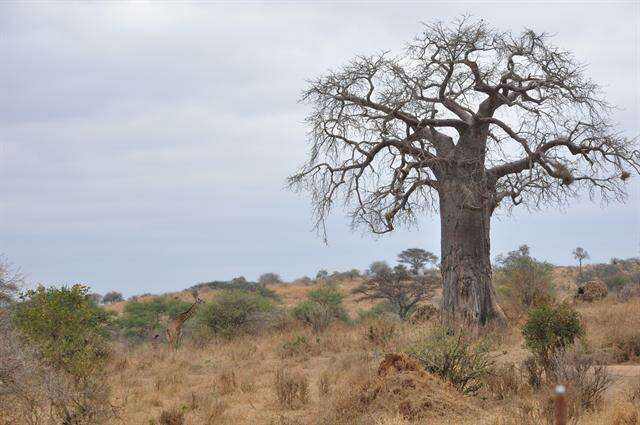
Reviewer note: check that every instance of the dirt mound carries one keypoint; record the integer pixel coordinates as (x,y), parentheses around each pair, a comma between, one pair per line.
(402,385)
(592,291)
(424,313)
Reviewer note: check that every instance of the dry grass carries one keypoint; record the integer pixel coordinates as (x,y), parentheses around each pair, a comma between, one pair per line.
(322,377)
(614,328)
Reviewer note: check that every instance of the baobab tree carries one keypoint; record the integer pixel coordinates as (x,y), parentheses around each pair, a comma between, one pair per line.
(468,119)
(580,254)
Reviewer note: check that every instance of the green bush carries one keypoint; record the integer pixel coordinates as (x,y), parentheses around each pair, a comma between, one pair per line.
(456,357)
(523,280)
(66,327)
(235,311)
(141,320)
(112,297)
(551,328)
(295,346)
(316,315)
(323,306)
(617,282)
(375,311)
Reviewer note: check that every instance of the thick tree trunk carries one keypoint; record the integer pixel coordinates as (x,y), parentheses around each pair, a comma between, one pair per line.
(465,214)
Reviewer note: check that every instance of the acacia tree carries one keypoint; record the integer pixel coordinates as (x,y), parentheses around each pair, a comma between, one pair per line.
(466,120)
(580,254)
(416,258)
(401,288)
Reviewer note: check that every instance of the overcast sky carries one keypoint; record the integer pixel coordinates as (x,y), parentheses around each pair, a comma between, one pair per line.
(145,147)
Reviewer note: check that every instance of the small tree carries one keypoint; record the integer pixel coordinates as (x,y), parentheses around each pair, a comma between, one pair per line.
(416,259)
(523,280)
(549,329)
(69,330)
(580,254)
(141,320)
(323,276)
(269,278)
(10,281)
(112,297)
(323,306)
(235,311)
(402,289)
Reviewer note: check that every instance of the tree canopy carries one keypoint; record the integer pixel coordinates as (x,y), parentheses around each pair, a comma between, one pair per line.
(385,130)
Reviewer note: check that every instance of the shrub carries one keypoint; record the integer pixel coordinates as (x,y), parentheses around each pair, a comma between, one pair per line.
(342,276)
(551,328)
(376,311)
(235,311)
(318,316)
(173,416)
(330,296)
(455,357)
(143,319)
(323,277)
(269,279)
(617,282)
(96,298)
(628,291)
(10,281)
(58,370)
(296,346)
(524,281)
(292,388)
(227,383)
(112,297)
(380,331)
(304,280)
(424,313)
(322,307)
(505,381)
(586,382)
(67,328)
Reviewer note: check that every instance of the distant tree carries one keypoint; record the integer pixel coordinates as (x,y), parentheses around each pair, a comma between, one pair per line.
(240,280)
(522,251)
(322,276)
(377,267)
(10,281)
(402,289)
(304,280)
(269,278)
(580,254)
(416,259)
(112,297)
(523,280)
(95,297)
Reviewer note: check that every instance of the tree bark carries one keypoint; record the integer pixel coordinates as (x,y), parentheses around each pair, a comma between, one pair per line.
(465,216)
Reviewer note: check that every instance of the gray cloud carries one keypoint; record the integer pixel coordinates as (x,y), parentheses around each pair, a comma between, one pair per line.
(144,147)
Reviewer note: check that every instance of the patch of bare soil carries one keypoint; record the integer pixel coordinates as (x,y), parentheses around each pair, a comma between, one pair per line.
(403,386)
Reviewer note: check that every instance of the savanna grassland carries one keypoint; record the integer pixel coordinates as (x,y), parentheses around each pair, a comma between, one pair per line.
(366,366)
